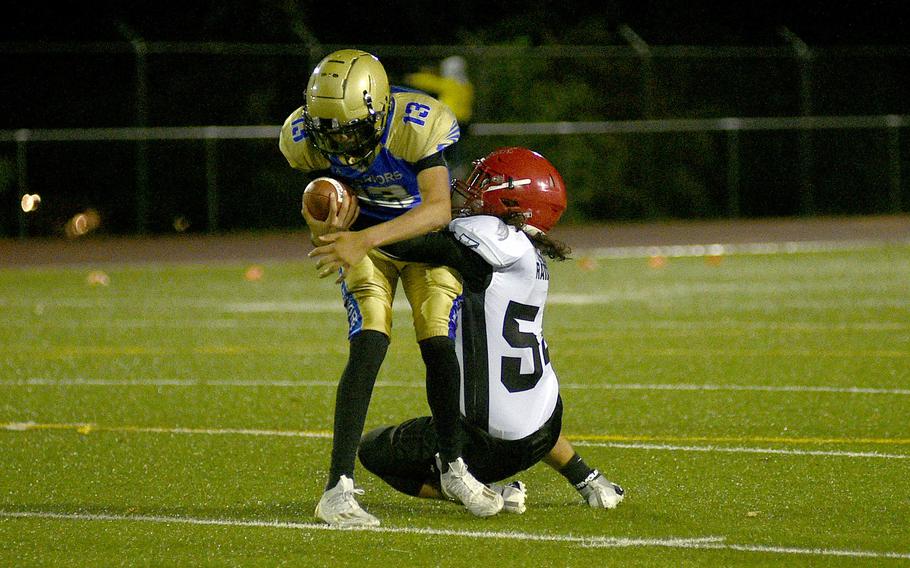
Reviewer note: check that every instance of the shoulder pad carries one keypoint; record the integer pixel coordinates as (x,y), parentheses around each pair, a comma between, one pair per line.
(298,151)
(499,244)
(421,126)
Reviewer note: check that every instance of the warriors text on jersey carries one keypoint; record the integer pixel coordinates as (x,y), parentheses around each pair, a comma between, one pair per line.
(418,128)
(508,386)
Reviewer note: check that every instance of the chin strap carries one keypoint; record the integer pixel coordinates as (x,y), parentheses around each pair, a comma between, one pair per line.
(532,231)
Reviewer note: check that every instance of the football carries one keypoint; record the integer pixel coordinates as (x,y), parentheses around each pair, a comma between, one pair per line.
(318,192)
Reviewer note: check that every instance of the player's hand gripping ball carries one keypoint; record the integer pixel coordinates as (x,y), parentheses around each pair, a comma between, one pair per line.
(318,192)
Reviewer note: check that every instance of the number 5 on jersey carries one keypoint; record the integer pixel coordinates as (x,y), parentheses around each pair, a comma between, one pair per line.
(512,377)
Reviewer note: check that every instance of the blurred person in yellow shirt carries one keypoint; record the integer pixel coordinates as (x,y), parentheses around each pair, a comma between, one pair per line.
(451,87)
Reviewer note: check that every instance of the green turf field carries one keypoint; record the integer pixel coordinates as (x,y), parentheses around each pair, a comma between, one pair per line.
(757,412)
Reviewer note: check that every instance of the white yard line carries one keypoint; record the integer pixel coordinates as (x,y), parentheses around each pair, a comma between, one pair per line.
(240,383)
(752,388)
(704,543)
(813,551)
(718,249)
(741,450)
(622,442)
(88,428)
(253,383)
(655,325)
(717,291)
(504,535)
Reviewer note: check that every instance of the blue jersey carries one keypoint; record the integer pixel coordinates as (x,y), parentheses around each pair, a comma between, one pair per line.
(418,126)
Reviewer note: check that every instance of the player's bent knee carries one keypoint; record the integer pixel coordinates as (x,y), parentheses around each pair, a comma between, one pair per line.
(375,449)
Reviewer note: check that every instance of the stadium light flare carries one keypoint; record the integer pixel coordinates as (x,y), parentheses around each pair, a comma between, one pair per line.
(181,224)
(30,202)
(82,223)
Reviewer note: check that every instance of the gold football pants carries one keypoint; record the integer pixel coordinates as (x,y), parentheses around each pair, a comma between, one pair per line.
(369,290)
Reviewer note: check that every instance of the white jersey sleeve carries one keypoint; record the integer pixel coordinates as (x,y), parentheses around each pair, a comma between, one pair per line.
(499,244)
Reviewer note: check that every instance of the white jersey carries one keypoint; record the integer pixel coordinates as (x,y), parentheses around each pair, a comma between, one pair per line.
(508,385)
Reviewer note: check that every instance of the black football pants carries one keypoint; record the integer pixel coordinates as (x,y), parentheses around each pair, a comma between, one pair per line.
(404,455)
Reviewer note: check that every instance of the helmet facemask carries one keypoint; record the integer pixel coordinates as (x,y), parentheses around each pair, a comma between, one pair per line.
(467,196)
(352,143)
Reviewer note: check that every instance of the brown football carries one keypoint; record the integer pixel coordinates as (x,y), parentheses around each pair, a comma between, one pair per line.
(318,192)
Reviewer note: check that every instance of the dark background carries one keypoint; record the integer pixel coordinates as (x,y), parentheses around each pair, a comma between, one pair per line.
(73,66)
(694,22)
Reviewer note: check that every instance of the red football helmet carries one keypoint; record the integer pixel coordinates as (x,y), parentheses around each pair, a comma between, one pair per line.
(514,180)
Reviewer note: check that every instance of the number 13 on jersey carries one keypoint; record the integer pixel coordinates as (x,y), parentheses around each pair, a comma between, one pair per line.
(416,113)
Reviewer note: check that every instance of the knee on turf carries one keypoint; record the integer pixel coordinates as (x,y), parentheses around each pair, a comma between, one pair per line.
(375,449)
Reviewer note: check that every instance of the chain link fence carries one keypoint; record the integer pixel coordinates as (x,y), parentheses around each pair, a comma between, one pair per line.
(160,137)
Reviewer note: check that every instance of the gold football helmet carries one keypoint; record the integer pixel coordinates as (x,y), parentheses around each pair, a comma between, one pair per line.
(346,104)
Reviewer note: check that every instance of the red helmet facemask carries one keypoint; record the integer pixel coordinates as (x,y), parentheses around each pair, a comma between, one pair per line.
(513,180)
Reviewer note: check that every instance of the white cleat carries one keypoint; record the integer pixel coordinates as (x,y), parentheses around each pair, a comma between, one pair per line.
(600,493)
(459,484)
(339,508)
(513,496)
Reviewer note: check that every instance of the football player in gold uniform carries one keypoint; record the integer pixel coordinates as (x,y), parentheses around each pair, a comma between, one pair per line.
(387,144)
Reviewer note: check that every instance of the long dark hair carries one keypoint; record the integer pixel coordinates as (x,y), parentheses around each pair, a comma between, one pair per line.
(557,250)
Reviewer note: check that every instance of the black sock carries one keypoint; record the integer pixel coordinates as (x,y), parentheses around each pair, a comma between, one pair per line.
(352,399)
(443,385)
(577,472)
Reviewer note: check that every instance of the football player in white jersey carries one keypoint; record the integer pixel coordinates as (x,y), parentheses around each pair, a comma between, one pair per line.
(387,144)
(509,396)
